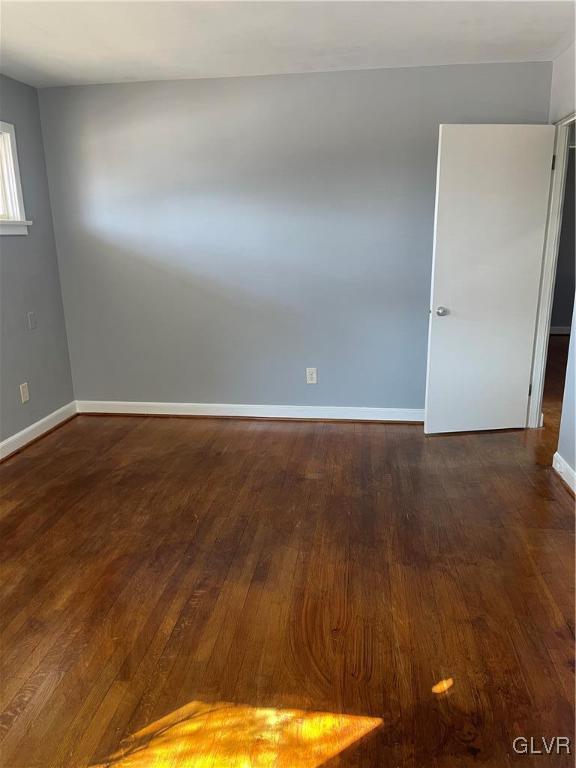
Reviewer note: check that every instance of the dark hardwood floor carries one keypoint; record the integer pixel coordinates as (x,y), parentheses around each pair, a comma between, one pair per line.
(199,592)
(542,443)
(554,386)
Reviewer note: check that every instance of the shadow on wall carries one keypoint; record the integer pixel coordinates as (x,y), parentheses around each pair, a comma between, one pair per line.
(145,313)
(249,145)
(172,302)
(255,243)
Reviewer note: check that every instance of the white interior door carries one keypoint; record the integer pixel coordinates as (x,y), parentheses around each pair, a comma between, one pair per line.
(492,189)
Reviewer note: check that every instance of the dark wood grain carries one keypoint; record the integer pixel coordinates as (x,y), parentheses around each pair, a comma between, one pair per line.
(278,566)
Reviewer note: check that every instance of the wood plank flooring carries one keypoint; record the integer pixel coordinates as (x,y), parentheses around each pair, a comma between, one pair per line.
(203,592)
(552,401)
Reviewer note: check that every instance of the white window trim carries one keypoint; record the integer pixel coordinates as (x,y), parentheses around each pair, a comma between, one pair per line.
(14,226)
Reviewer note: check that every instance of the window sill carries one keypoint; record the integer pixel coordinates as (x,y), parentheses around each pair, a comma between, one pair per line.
(14,227)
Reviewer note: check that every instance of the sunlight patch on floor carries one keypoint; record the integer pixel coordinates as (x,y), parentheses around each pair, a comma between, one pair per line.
(224,735)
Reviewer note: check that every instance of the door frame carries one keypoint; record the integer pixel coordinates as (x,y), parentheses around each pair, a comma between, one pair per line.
(548,278)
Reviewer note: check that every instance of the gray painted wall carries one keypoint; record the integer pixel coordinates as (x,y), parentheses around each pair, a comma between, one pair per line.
(563,91)
(216,237)
(565,285)
(29,282)
(567,442)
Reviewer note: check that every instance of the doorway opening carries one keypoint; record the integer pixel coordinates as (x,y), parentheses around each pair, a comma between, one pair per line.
(562,302)
(557,292)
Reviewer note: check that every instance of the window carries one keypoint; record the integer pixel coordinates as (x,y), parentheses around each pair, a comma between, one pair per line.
(12,216)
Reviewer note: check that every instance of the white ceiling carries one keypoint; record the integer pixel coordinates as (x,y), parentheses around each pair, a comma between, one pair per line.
(68,43)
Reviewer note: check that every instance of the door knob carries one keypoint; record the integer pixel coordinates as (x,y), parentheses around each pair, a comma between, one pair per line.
(441,311)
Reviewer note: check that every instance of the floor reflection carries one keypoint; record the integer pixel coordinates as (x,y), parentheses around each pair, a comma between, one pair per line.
(223,735)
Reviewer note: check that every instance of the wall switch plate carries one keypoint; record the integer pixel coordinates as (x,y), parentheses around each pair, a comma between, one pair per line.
(31,322)
(311,375)
(24,394)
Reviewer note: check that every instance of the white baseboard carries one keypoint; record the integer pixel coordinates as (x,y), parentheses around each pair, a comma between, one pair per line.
(25,436)
(565,471)
(560,330)
(252,411)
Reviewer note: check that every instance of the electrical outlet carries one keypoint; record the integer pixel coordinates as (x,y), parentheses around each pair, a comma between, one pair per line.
(31,320)
(311,375)
(24,394)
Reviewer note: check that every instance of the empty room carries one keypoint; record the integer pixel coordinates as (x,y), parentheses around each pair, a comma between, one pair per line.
(287,384)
